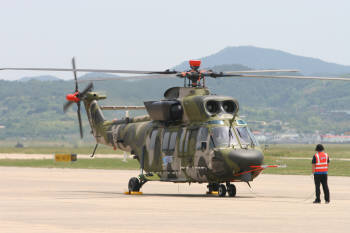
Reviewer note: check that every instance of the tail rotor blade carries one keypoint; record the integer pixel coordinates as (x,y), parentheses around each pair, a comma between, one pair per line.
(79,119)
(75,74)
(87,89)
(66,106)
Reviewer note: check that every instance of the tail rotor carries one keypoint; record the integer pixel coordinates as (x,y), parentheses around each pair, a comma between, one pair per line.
(76,97)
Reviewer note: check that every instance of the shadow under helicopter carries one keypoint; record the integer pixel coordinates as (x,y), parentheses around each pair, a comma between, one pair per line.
(73,195)
(101,194)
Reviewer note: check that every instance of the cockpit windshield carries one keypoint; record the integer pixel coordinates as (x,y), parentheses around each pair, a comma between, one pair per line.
(222,137)
(246,137)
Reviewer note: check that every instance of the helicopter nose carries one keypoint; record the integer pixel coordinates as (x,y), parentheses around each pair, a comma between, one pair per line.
(245,158)
(228,162)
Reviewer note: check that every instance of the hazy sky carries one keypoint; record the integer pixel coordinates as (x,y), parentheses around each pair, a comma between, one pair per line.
(159,34)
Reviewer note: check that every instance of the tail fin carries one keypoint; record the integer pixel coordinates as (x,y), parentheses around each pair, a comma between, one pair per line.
(94,114)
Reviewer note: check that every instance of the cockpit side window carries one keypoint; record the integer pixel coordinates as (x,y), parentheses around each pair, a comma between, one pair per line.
(222,137)
(246,137)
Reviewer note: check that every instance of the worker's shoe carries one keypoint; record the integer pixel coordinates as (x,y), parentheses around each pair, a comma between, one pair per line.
(317,202)
(327,202)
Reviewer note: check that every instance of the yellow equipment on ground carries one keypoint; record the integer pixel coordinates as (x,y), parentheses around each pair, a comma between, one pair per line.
(65,157)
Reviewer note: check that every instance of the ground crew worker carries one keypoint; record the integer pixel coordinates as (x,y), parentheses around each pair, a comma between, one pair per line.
(320,163)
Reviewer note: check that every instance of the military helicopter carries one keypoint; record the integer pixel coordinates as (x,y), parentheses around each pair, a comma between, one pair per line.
(188,136)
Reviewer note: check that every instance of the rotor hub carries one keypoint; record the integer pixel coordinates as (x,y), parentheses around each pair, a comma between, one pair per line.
(73,97)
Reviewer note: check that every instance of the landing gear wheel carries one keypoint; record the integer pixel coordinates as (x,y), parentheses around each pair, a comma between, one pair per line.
(222,190)
(231,190)
(134,185)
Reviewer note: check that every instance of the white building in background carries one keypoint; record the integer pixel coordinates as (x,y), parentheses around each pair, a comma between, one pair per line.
(260,136)
(330,138)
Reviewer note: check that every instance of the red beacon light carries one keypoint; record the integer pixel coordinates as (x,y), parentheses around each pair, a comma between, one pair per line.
(195,64)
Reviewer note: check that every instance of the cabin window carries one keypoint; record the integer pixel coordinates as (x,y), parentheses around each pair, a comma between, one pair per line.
(181,142)
(190,141)
(172,141)
(186,140)
(153,139)
(169,141)
(202,138)
(165,142)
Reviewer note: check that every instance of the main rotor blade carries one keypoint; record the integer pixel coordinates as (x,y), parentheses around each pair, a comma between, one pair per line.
(66,106)
(131,77)
(122,107)
(287,77)
(259,71)
(95,70)
(75,74)
(79,119)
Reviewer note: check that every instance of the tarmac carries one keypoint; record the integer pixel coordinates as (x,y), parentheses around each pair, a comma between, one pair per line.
(81,200)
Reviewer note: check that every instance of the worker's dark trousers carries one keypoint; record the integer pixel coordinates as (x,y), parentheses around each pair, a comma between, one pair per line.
(321,178)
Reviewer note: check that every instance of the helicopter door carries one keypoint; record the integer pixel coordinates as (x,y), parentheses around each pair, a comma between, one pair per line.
(190,145)
(168,148)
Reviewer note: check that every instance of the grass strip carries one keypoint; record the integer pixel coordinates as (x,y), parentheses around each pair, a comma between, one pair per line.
(97,163)
(296,150)
(303,167)
(290,150)
(102,149)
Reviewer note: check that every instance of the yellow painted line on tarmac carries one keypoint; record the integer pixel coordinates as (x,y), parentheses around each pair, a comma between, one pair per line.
(213,193)
(133,193)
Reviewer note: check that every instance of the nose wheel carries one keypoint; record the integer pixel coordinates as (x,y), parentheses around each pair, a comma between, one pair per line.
(135,184)
(222,190)
(231,190)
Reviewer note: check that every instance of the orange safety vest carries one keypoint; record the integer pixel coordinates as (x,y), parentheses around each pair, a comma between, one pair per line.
(321,162)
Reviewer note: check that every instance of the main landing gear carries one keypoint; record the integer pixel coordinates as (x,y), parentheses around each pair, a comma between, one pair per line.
(222,189)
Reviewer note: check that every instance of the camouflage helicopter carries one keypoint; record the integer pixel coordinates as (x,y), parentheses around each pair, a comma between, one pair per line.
(188,136)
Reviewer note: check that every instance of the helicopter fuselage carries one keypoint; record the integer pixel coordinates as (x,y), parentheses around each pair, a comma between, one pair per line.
(190,136)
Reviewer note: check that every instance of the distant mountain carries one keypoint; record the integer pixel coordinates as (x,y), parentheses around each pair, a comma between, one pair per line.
(261,58)
(97,75)
(40,78)
(227,67)
(46,78)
